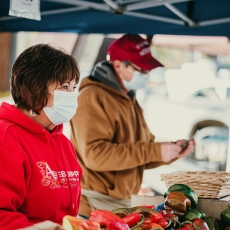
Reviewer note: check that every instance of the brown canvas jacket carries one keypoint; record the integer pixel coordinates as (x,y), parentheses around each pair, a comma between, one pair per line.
(113,143)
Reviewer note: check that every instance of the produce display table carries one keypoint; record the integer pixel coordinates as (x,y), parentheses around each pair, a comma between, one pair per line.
(211,207)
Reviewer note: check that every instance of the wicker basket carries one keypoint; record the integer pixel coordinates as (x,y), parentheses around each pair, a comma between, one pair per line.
(205,184)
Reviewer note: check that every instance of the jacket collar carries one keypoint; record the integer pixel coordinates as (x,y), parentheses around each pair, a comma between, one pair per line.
(104,72)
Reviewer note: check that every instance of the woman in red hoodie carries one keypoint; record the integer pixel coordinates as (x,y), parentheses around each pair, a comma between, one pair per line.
(40,174)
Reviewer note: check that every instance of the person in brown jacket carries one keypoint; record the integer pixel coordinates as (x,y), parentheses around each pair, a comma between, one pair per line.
(112,141)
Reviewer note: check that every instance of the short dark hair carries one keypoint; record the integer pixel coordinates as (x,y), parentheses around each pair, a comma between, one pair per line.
(36,68)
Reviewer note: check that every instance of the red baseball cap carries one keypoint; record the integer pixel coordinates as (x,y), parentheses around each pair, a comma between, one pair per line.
(132,47)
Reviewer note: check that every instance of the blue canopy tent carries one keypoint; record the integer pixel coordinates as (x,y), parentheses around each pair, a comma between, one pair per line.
(178,17)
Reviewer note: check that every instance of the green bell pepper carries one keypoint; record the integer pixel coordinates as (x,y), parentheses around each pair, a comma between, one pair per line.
(225,217)
(186,190)
(213,223)
(193,213)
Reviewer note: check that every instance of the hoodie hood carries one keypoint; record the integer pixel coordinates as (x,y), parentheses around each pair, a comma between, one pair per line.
(103,75)
(14,115)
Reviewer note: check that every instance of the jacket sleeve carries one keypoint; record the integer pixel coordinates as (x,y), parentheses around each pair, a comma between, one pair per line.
(157,164)
(93,133)
(13,188)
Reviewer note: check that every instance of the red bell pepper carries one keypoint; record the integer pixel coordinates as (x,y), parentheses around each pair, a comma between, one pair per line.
(148,220)
(187,225)
(116,225)
(199,224)
(156,217)
(195,224)
(132,219)
(108,219)
(163,223)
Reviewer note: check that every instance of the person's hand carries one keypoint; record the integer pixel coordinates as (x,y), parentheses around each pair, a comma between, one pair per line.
(189,149)
(170,151)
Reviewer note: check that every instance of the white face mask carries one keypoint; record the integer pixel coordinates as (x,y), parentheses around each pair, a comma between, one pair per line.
(137,81)
(64,107)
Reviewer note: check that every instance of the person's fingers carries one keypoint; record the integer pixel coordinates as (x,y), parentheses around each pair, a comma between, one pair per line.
(169,151)
(194,142)
(176,148)
(180,142)
(188,150)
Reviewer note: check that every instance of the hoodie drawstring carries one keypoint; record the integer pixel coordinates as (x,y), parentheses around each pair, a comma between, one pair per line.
(69,185)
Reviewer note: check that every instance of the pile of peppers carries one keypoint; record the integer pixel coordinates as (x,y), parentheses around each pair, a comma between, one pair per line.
(177,212)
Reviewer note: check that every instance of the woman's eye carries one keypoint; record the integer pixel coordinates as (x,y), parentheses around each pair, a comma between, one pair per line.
(74,88)
(64,87)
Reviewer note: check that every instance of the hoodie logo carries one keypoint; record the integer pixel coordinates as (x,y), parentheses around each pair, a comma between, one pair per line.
(57,179)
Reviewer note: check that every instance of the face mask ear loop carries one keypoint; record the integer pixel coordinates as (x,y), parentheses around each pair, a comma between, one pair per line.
(132,72)
(32,113)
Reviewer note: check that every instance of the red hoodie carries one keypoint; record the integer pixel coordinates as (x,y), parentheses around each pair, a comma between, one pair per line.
(34,165)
